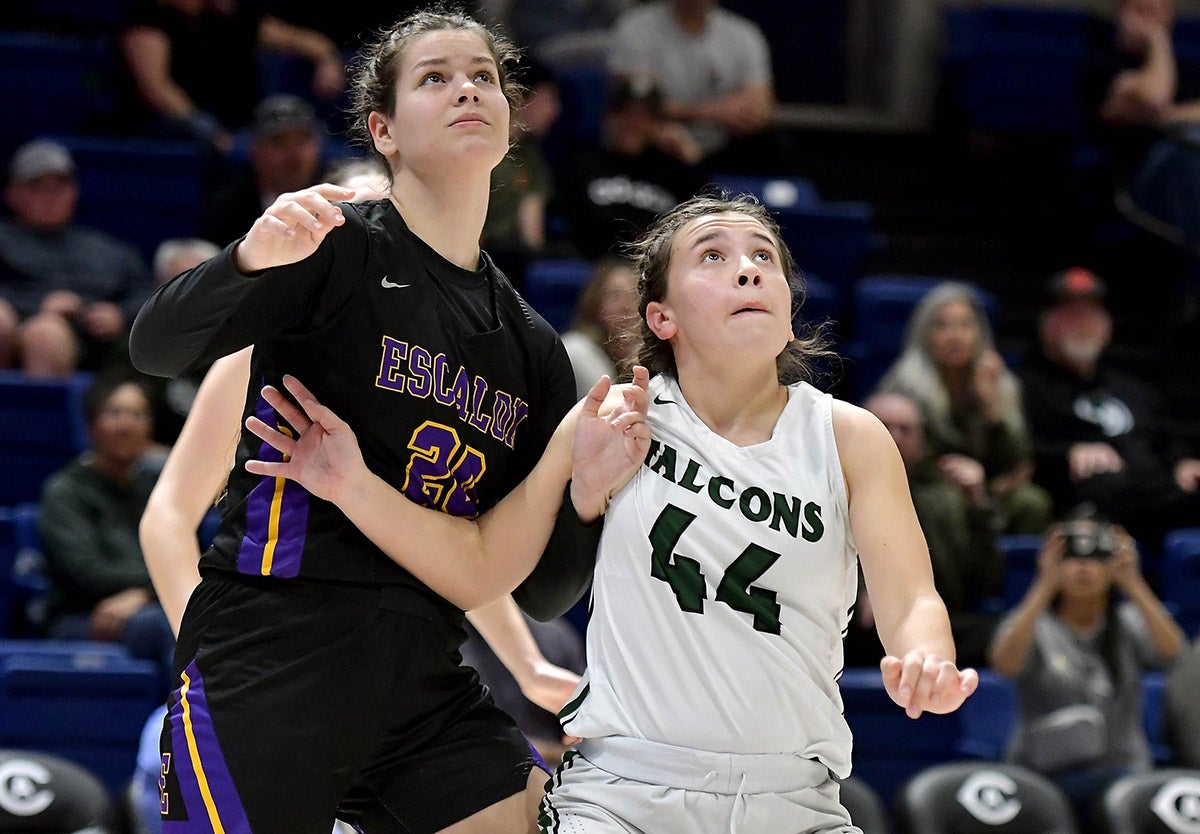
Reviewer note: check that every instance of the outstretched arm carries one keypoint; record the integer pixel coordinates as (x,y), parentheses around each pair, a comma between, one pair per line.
(919,671)
(469,563)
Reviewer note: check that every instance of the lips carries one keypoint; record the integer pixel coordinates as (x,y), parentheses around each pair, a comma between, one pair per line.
(750,308)
(470,118)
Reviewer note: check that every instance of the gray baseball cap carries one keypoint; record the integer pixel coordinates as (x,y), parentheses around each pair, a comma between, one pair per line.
(38,159)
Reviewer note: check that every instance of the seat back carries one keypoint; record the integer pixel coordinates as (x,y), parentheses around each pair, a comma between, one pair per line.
(1165,801)
(983,798)
(553,286)
(86,702)
(889,747)
(1180,579)
(47,794)
(42,426)
(866,808)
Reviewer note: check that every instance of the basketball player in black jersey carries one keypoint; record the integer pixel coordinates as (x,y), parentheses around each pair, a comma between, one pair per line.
(315,676)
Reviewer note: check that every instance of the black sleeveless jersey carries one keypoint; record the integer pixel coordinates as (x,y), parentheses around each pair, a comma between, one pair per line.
(451,382)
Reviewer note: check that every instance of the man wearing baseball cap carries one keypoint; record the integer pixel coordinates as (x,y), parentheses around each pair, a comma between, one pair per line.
(67,293)
(284,155)
(1100,435)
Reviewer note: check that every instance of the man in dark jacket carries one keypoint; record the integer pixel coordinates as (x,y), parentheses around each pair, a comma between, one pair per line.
(1099,435)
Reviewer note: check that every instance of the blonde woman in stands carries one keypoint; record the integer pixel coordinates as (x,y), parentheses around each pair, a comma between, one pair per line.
(972,403)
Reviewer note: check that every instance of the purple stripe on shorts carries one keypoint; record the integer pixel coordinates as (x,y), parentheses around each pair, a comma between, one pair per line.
(293,515)
(538,760)
(225,800)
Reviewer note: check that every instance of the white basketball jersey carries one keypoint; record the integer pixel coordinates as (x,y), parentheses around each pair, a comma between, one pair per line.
(722,592)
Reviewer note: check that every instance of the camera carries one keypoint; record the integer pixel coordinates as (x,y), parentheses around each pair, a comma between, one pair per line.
(1089,540)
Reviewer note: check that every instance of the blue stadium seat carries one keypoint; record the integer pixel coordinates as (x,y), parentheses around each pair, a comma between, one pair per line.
(49,83)
(77,15)
(142,191)
(30,577)
(988,717)
(776,193)
(1180,572)
(41,428)
(831,239)
(553,285)
(1020,565)
(1154,686)
(882,305)
(889,747)
(86,702)
(1016,69)
(8,557)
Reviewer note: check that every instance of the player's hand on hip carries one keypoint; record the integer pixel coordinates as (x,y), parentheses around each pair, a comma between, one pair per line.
(292,227)
(548,686)
(608,448)
(322,455)
(924,682)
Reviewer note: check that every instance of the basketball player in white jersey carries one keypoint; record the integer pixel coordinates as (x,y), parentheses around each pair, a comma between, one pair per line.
(727,567)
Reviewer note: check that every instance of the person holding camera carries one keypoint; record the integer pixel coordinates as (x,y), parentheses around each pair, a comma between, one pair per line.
(1076,649)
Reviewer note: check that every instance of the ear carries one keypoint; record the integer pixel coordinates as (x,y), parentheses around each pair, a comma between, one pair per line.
(381,133)
(658,319)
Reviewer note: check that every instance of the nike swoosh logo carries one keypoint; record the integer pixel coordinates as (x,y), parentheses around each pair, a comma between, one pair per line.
(386,284)
(660,401)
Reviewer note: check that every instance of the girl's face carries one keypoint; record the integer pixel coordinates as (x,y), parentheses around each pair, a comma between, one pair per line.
(450,110)
(954,336)
(727,294)
(1084,579)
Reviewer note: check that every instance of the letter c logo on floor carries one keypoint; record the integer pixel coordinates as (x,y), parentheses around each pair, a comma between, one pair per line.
(1177,804)
(990,797)
(24,790)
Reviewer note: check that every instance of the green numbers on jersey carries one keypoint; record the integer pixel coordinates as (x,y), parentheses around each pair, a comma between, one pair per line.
(684,576)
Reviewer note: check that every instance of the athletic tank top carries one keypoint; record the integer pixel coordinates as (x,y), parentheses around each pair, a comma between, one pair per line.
(724,585)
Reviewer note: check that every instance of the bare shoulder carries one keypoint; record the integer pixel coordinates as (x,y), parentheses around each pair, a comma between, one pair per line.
(857,430)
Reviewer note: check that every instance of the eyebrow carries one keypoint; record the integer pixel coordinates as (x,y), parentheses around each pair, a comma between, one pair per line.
(707,238)
(442,61)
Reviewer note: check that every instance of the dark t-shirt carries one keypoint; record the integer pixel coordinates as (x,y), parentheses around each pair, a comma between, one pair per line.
(213,58)
(452,384)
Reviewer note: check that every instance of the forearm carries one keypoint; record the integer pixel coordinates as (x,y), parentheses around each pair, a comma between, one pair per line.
(282,36)
(473,563)
(923,626)
(1168,638)
(507,634)
(1011,645)
(1184,112)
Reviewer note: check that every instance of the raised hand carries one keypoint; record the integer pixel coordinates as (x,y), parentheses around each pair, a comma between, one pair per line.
(292,227)
(324,459)
(927,683)
(608,448)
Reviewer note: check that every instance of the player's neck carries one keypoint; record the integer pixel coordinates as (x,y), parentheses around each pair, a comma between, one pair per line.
(446,213)
(741,407)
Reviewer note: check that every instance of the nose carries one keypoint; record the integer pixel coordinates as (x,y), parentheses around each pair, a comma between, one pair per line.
(468,91)
(748,273)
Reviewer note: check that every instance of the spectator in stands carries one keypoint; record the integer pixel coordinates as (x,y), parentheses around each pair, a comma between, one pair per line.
(88,523)
(972,404)
(1135,87)
(559,645)
(1100,435)
(1181,712)
(67,293)
(643,166)
(957,519)
(522,184)
(600,340)
(714,69)
(176,255)
(1077,652)
(190,66)
(285,155)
